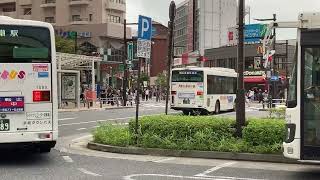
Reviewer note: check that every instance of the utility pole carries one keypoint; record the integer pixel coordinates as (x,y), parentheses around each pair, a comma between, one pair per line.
(125,72)
(172,14)
(273,67)
(137,101)
(240,106)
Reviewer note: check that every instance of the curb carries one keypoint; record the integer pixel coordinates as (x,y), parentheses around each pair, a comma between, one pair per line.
(100,109)
(192,154)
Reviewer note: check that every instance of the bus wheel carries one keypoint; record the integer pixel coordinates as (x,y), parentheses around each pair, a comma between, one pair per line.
(217,108)
(197,112)
(45,149)
(186,112)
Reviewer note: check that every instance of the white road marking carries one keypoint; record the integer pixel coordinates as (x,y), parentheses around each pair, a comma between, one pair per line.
(80,129)
(164,160)
(216,168)
(66,119)
(67,159)
(132,177)
(80,138)
(88,172)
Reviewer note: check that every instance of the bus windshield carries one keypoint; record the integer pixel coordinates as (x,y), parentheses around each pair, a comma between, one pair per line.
(24,44)
(187,76)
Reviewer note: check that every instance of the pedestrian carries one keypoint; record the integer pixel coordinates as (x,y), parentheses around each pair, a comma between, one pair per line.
(260,97)
(147,92)
(251,95)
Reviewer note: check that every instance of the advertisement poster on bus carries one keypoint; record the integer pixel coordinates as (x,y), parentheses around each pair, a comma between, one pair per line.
(68,87)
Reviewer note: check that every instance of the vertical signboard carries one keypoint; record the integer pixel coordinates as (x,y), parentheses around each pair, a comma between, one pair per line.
(144,37)
(190,26)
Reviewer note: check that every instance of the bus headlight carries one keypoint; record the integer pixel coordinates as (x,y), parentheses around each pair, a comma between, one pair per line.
(290,133)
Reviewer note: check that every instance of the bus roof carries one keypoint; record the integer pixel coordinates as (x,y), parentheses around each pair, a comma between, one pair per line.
(5,20)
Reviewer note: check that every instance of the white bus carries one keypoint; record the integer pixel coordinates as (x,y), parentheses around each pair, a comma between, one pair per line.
(302,140)
(198,90)
(28,84)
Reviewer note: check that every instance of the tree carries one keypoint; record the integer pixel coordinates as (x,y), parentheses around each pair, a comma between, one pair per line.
(65,45)
(161,80)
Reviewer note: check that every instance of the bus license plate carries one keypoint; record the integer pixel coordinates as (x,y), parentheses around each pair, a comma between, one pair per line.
(4,124)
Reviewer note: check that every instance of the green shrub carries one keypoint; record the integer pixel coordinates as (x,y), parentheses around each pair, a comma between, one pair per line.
(264,132)
(277,112)
(196,133)
(112,135)
(184,127)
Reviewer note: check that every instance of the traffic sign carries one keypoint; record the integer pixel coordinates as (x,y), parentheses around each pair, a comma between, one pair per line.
(145,28)
(143,48)
(130,51)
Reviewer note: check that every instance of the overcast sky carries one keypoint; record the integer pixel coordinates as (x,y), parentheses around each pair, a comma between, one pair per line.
(286,10)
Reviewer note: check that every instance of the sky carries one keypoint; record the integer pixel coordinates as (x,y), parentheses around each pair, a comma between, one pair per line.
(286,10)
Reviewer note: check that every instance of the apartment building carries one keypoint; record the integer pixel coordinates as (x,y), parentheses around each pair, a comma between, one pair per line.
(98,23)
(66,12)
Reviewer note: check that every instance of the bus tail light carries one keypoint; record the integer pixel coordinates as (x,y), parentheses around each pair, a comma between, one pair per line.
(40,96)
(45,136)
(173,92)
(199,93)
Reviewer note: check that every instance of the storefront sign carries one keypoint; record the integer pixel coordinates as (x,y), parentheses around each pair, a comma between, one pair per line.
(254,73)
(73,34)
(257,62)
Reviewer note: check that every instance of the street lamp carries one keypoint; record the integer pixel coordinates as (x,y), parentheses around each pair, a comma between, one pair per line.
(172,15)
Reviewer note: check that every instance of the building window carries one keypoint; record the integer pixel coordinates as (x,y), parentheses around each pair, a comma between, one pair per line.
(90,17)
(114,19)
(49,19)
(27,11)
(76,18)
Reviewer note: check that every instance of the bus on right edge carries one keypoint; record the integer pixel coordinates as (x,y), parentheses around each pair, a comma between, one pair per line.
(302,140)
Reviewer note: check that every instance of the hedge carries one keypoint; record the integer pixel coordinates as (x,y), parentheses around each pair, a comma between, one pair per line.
(196,133)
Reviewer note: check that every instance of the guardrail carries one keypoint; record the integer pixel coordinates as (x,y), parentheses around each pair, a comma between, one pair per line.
(272,103)
(114,101)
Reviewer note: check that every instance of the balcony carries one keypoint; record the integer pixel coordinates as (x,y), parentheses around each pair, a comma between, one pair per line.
(48,4)
(79,2)
(115,6)
(79,21)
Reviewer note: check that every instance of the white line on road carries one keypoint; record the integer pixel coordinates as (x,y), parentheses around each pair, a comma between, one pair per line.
(152,176)
(80,129)
(216,168)
(80,138)
(164,160)
(66,119)
(88,172)
(67,159)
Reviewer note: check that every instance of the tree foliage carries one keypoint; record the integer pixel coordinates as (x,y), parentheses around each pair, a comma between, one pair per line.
(161,80)
(65,45)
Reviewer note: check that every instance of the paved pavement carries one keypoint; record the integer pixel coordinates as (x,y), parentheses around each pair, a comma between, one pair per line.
(71,160)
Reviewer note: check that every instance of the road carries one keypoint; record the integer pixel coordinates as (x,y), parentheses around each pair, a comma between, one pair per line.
(76,163)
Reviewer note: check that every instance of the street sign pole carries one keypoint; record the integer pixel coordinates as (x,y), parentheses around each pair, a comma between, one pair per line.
(137,101)
(143,52)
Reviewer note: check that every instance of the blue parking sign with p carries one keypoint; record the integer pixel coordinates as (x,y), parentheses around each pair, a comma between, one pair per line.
(145,28)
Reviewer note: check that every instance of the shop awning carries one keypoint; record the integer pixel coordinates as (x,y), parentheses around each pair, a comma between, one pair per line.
(254,79)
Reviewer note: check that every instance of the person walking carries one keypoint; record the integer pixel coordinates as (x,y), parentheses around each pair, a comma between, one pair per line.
(147,93)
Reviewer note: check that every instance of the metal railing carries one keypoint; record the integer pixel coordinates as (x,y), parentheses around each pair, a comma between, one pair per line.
(273,103)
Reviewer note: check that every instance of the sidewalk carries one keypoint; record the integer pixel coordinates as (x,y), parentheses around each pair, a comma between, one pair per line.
(71,107)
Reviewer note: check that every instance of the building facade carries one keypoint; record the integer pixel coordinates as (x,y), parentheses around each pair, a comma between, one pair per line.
(66,12)
(94,25)
(255,75)
(203,24)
